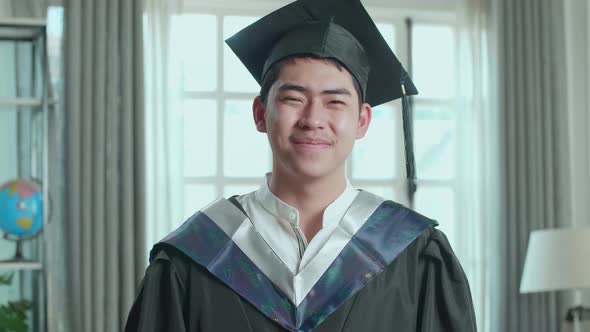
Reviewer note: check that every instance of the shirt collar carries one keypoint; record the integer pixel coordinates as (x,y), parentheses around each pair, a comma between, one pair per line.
(287,213)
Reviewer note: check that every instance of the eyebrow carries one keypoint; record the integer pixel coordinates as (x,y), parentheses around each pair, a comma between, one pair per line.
(295,87)
(341,91)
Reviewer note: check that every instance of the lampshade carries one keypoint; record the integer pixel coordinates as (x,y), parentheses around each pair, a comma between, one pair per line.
(557,259)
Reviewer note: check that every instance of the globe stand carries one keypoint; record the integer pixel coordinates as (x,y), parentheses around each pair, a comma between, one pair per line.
(18,254)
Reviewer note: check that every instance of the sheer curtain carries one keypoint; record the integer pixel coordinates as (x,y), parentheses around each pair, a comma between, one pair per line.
(479,167)
(164,149)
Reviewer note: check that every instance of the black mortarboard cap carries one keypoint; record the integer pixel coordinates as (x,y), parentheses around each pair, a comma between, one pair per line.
(339,29)
(324,39)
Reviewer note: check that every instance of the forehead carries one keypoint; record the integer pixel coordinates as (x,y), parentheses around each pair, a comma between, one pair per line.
(315,73)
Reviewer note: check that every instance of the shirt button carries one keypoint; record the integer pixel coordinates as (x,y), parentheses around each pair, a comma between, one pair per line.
(293,216)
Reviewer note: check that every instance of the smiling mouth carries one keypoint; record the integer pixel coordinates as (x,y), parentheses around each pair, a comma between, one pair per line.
(312,144)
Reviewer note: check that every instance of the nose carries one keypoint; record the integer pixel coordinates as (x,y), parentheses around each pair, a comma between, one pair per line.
(313,116)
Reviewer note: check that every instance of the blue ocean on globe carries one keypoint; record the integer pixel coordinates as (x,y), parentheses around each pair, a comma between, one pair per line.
(21,208)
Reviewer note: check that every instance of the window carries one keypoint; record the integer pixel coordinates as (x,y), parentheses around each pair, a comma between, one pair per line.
(435,122)
(217,100)
(55,21)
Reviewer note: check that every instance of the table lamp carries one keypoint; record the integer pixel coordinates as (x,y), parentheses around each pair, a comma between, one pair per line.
(557,259)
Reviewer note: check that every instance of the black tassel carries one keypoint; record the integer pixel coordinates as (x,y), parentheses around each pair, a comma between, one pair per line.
(409,144)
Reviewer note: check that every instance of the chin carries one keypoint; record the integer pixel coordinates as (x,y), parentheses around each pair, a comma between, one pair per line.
(310,173)
(311,169)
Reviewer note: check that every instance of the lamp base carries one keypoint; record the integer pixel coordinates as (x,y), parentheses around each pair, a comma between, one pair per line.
(578,312)
(577,319)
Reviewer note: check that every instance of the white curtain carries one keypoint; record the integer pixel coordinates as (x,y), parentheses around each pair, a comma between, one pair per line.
(479,165)
(164,149)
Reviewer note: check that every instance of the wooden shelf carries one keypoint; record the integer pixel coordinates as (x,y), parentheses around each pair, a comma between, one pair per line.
(23,102)
(20,265)
(19,29)
(32,35)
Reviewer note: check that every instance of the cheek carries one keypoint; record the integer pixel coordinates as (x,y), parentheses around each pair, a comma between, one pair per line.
(346,128)
(282,120)
(277,127)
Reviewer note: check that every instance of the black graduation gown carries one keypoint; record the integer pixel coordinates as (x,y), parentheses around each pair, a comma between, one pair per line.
(422,289)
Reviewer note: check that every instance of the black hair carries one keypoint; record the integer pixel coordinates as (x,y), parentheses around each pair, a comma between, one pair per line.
(272,74)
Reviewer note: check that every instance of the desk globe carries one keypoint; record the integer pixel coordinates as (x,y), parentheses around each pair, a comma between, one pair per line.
(21,212)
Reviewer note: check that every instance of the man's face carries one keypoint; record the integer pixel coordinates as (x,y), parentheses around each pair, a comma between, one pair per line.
(312,118)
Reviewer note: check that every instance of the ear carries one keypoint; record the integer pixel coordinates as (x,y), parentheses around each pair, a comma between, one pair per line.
(259,112)
(364,120)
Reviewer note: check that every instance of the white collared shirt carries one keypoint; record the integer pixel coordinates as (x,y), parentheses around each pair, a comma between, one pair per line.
(278,224)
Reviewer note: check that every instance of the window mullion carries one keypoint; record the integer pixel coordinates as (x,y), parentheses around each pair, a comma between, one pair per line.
(220,108)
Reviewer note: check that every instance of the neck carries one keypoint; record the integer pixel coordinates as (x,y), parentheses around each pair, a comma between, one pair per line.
(309,196)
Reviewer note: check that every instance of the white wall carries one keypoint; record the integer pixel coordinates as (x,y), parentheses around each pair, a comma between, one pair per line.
(578,75)
(577,30)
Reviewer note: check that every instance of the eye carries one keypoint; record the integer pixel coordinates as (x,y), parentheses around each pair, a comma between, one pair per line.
(337,102)
(292,99)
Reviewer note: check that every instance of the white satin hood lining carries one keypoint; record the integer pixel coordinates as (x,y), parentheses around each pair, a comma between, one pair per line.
(296,287)
(355,217)
(240,229)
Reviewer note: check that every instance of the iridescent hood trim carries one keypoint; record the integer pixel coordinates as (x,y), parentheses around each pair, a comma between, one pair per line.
(371,235)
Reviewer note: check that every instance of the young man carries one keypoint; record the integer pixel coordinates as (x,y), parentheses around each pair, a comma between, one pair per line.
(307,251)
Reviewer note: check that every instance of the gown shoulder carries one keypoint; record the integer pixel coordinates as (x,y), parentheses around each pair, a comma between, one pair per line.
(445,297)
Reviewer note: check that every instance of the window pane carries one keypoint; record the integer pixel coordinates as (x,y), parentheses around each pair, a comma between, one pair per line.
(55,19)
(200,137)
(197,197)
(373,156)
(195,37)
(388,32)
(433,54)
(434,142)
(236,77)
(438,203)
(246,151)
(239,189)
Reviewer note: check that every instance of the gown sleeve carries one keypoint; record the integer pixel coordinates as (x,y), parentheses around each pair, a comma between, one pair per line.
(445,299)
(159,304)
